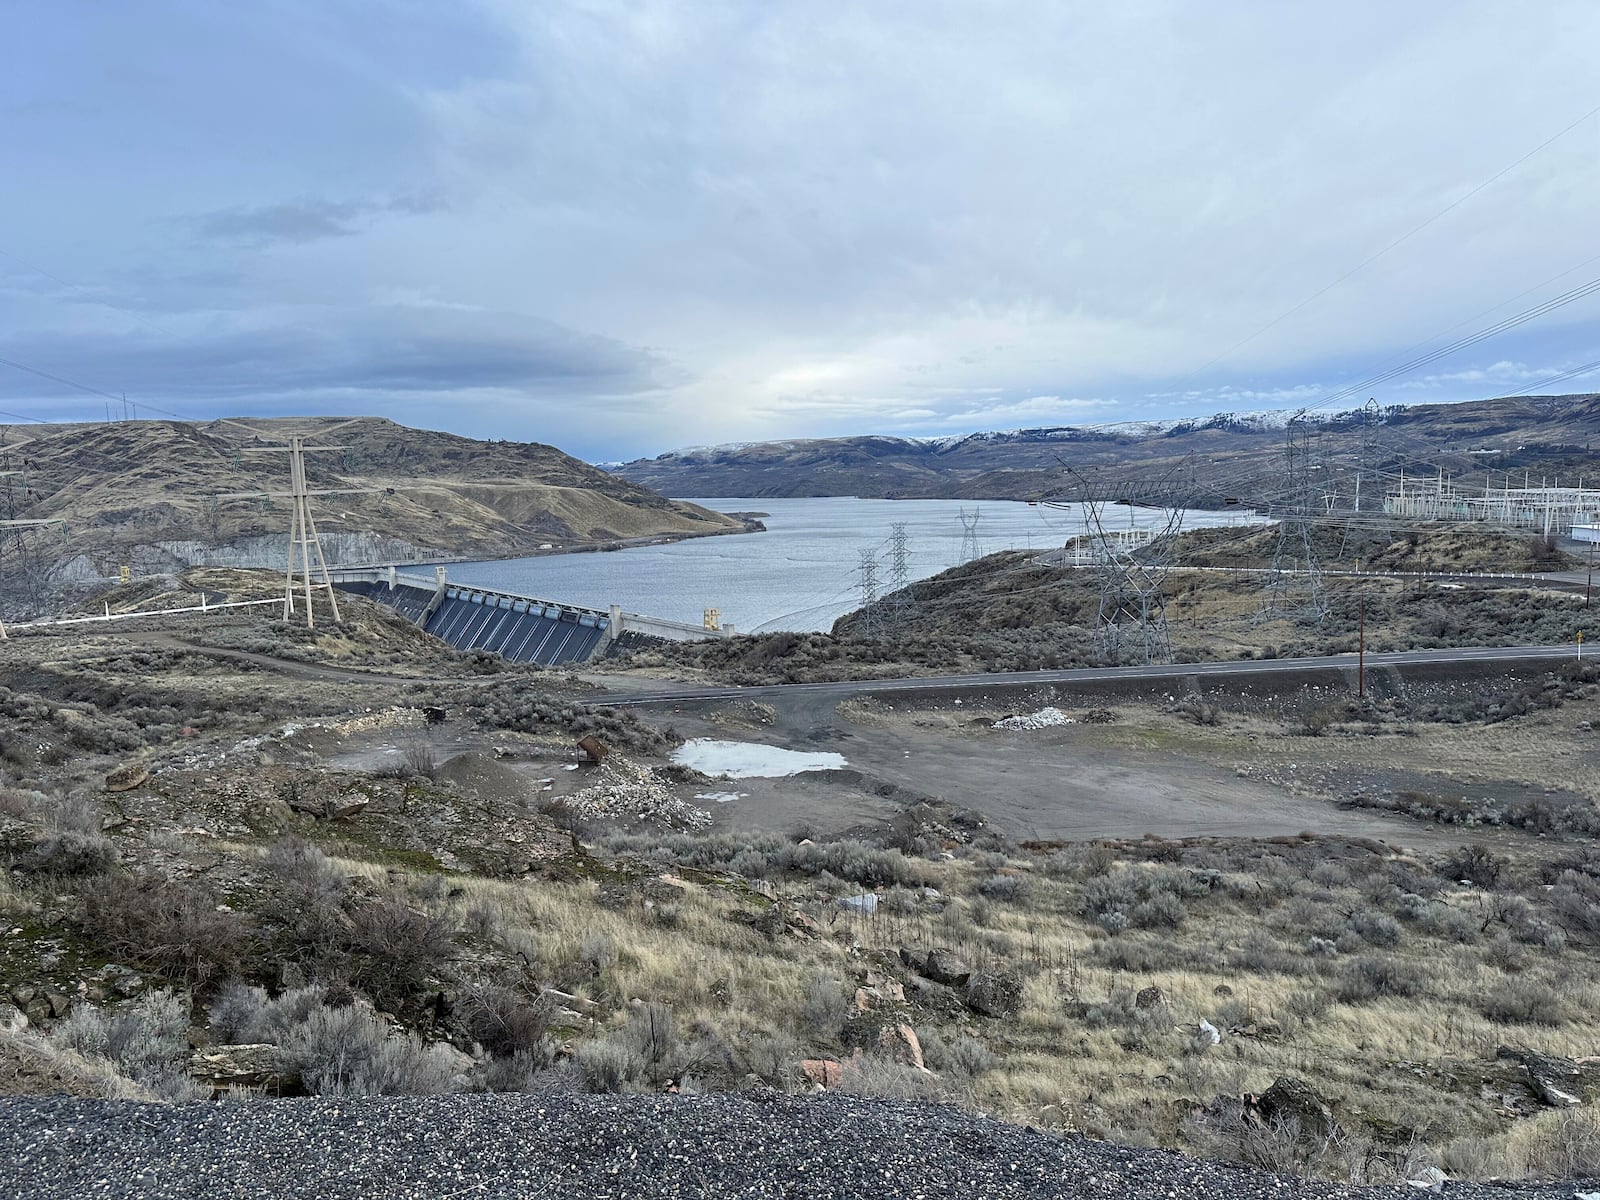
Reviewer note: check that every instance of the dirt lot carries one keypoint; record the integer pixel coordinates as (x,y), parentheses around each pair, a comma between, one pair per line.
(1148,771)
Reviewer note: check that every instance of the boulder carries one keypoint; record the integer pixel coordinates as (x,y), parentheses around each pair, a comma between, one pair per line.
(1150,997)
(1556,1081)
(996,993)
(257,1066)
(1294,1100)
(821,1072)
(12,1019)
(900,1043)
(942,966)
(126,777)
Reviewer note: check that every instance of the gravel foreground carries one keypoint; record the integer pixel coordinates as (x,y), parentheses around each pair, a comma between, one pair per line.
(576,1147)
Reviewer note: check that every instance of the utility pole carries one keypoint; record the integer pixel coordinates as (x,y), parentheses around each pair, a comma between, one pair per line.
(1588,588)
(1361,639)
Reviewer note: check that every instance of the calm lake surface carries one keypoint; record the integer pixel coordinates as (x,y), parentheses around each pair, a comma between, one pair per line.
(801,574)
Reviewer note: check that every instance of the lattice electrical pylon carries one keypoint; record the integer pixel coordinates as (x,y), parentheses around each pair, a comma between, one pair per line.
(868,620)
(900,571)
(969,534)
(304,544)
(1293,587)
(1132,565)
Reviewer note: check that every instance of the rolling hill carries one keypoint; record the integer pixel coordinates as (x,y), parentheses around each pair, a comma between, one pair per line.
(152,495)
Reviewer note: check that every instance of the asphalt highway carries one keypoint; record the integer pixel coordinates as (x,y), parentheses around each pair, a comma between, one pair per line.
(1509,655)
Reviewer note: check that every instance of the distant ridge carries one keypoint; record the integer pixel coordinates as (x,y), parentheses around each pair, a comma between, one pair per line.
(1026,463)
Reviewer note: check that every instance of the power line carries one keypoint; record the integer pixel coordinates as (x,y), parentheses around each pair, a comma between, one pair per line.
(1402,239)
(1538,310)
(1586,369)
(62,379)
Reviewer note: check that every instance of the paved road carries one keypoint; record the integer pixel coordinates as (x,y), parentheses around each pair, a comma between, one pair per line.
(1509,655)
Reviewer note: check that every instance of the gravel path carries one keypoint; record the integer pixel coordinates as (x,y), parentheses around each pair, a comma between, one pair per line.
(576,1147)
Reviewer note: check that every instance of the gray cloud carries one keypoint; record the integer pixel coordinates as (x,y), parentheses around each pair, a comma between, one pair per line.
(770,219)
(303,221)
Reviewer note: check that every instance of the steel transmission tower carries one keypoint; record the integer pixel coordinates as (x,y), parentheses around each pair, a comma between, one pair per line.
(969,534)
(868,619)
(1132,566)
(900,572)
(1294,584)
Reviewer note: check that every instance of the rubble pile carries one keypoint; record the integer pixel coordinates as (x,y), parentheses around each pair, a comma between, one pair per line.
(624,789)
(1045,718)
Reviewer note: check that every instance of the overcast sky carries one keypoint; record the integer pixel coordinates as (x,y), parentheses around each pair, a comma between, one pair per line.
(623,227)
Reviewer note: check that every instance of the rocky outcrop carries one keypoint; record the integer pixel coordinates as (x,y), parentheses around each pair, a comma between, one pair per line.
(995,993)
(258,1067)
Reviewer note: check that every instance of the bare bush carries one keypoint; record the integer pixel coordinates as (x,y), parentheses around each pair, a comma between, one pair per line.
(146,1040)
(353,1052)
(421,760)
(397,949)
(508,1022)
(1372,976)
(169,927)
(822,1007)
(1524,1002)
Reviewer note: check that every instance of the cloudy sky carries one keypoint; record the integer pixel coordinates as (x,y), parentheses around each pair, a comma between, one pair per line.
(623,226)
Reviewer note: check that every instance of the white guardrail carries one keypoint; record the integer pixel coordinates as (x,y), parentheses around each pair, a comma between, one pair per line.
(202,607)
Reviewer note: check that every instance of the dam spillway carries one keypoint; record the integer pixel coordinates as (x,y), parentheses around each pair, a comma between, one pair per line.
(518,628)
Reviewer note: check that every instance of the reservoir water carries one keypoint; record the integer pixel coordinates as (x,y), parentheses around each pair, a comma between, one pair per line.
(801,574)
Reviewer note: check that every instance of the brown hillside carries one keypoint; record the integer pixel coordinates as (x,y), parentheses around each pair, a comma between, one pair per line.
(153,493)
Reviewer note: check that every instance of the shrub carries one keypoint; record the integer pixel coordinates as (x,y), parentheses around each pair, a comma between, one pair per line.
(653,1034)
(169,927)
(506,1022)
(882,1078)
(608,1066)
(72,853)
(970,1057)
(1004,887)
(1372,976)
(147,1041)
(1162,910)
(421,760)
(1374,928)
(822,1007)
(1523,1002)
(597,952)
(1477,865)
(397,949)
(353,1052)
(774,1057)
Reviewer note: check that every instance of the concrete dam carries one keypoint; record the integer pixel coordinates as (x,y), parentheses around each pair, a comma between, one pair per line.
(516,627)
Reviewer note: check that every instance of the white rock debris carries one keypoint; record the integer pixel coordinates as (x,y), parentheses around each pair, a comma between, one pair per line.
(1045,718)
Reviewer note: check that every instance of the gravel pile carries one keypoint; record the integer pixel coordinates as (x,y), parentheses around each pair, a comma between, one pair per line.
(494,1147)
